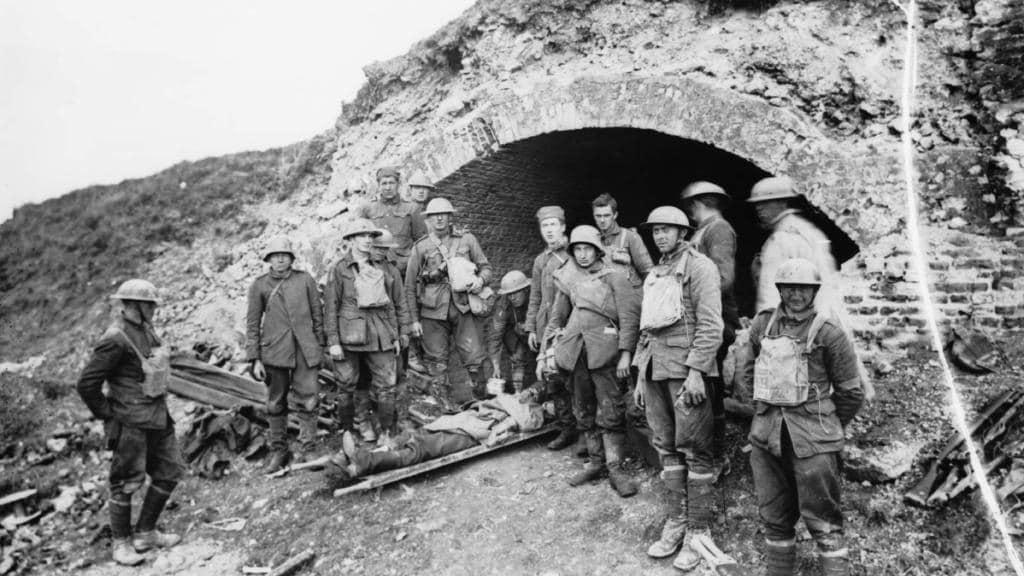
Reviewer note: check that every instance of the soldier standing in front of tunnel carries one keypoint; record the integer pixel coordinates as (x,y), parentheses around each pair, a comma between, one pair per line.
(803,370)
(624,251)
(681,331)
(551,220)
(135,366)
(393,214)
(794,236)
(447,277)
(420,191)
(284,342)
(508,327)
(715,238)
(367,323)
(595,314)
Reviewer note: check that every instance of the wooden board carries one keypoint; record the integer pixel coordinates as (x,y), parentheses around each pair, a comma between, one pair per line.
(391,476)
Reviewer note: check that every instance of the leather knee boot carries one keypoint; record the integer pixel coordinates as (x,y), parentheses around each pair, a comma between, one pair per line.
(615,451)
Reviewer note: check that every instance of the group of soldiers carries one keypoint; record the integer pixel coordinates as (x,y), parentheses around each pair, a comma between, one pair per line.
(616,337)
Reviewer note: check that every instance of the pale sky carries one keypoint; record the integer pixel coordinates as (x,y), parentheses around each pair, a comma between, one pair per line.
(100,91)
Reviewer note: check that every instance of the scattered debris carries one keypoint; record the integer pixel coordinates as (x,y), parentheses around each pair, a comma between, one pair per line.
(228,524)
(293,564)
(998,431)
(880,464)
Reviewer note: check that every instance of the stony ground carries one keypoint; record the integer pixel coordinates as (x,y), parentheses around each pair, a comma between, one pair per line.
(510,513)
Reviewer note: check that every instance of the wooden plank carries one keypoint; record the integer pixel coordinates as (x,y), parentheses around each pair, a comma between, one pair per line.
(17,497)
(392,476)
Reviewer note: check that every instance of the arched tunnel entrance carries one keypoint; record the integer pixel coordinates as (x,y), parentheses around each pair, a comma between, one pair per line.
(498,194)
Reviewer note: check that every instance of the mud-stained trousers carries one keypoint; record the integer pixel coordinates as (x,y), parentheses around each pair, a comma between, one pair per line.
(789,487)
(599,405)
(380,395)
(421,446)
(292,389)
(138,452)
(468,342)
(680,431)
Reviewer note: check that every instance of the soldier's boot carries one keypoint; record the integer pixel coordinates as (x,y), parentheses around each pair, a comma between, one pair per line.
(307,436)
(345,410)
(780,557)
(387,412)
(581,449)
(700,514)
(124,553)
(566,437)
(441,389)
(364,424)
(834,557)
(277,434)
(415,362)
(594,467)
(673,473)
(120,506)
(146,535)
(518,377)
(476,376)
(615,451)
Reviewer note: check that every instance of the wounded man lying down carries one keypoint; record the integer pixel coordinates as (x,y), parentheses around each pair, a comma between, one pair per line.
(488,422)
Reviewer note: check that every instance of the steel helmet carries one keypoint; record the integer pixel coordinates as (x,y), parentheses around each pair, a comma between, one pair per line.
(514,281)
(798,271)
(438,206)
(773,188)
(667,215)
(385,239)
(361,226)
(278,244)
(420,179)
(586,234)
(701,188)
(136,289)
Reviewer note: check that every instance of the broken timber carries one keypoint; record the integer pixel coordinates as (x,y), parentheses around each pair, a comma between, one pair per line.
(392,476)
(942,481)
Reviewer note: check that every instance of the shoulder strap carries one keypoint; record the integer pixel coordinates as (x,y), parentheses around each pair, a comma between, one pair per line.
(816,324)
(118,330)
(771,321)
(622,237)
(277,287)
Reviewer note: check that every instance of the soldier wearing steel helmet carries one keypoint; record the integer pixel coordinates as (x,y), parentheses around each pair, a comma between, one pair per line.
(284,342)
(594,316)
(681,331)
(793,236)
(446,287)
(367,325)
(393,214)
(135,366)
(421,189)
(807,389)
(715,238)
(508,327)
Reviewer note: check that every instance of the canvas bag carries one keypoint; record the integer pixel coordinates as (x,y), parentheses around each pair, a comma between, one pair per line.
(780,371)
(371,291)
(663,297)
(156,369)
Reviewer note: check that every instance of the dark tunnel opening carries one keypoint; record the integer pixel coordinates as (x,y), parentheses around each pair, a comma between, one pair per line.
(498,194)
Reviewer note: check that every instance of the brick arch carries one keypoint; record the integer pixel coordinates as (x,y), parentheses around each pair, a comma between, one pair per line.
(860,194)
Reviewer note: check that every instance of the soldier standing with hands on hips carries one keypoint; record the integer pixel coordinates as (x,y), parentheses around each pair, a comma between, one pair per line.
(135,365)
